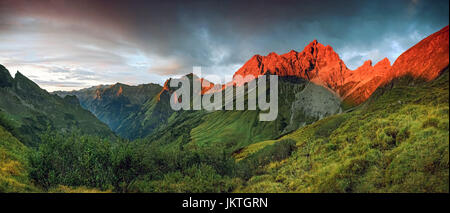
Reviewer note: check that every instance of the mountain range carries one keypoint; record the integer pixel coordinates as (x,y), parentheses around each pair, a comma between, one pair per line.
(332,87)
(378,128)
(27,111)
(321,65)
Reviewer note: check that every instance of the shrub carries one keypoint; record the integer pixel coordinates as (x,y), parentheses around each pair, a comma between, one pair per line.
(71,160)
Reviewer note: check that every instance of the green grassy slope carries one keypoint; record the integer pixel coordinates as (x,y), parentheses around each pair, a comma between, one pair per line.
(398,141)
(14,164)
(151,115)
(234,129)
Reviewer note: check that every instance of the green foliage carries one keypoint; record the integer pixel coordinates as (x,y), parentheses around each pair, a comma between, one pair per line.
(398,141)
(141,167)
(71,160)
(196,179)
(76,160)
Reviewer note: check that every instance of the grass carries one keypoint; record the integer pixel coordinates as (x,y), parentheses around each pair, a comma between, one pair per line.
(81,189)
(252,148)
(13,164)
(398,141)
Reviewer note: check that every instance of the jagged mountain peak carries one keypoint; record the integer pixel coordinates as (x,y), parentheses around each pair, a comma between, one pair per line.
(6,79)
(21,82)
(383,62)
(321,65)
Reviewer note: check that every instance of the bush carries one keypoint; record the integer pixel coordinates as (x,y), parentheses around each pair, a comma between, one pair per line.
(71,160)
(196,179)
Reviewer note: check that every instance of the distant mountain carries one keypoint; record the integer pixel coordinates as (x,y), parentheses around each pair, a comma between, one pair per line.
(114,103)
(150,115)
(26,110)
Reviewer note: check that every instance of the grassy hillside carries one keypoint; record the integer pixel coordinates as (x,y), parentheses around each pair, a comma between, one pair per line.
(27,110)
(14,164)
(233,130)
(151,115)
(398,141)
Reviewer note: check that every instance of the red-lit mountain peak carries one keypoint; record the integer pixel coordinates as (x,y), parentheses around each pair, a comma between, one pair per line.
(317,63)
(426,59)
(322,65)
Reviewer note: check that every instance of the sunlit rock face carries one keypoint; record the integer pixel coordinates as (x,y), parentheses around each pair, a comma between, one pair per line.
(426,59)
(322,65)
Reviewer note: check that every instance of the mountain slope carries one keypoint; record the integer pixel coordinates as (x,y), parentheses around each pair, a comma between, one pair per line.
(114,104)
(27,110)
(426,59)
(398,141)
(152,114)
(14,164)
(234,129)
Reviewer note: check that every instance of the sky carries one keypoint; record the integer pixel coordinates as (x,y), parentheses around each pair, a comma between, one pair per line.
(66,45)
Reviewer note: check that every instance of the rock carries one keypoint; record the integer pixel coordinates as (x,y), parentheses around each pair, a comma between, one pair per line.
(426,59)
(322,66)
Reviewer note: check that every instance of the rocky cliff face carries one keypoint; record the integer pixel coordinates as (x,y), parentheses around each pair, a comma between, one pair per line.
(316,63)
(426,59)
(322,65)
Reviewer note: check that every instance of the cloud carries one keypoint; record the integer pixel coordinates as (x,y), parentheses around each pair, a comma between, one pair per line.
(148,41)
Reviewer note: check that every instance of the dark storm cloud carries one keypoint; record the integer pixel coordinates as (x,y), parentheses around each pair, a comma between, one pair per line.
(167,38)
(224,32)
